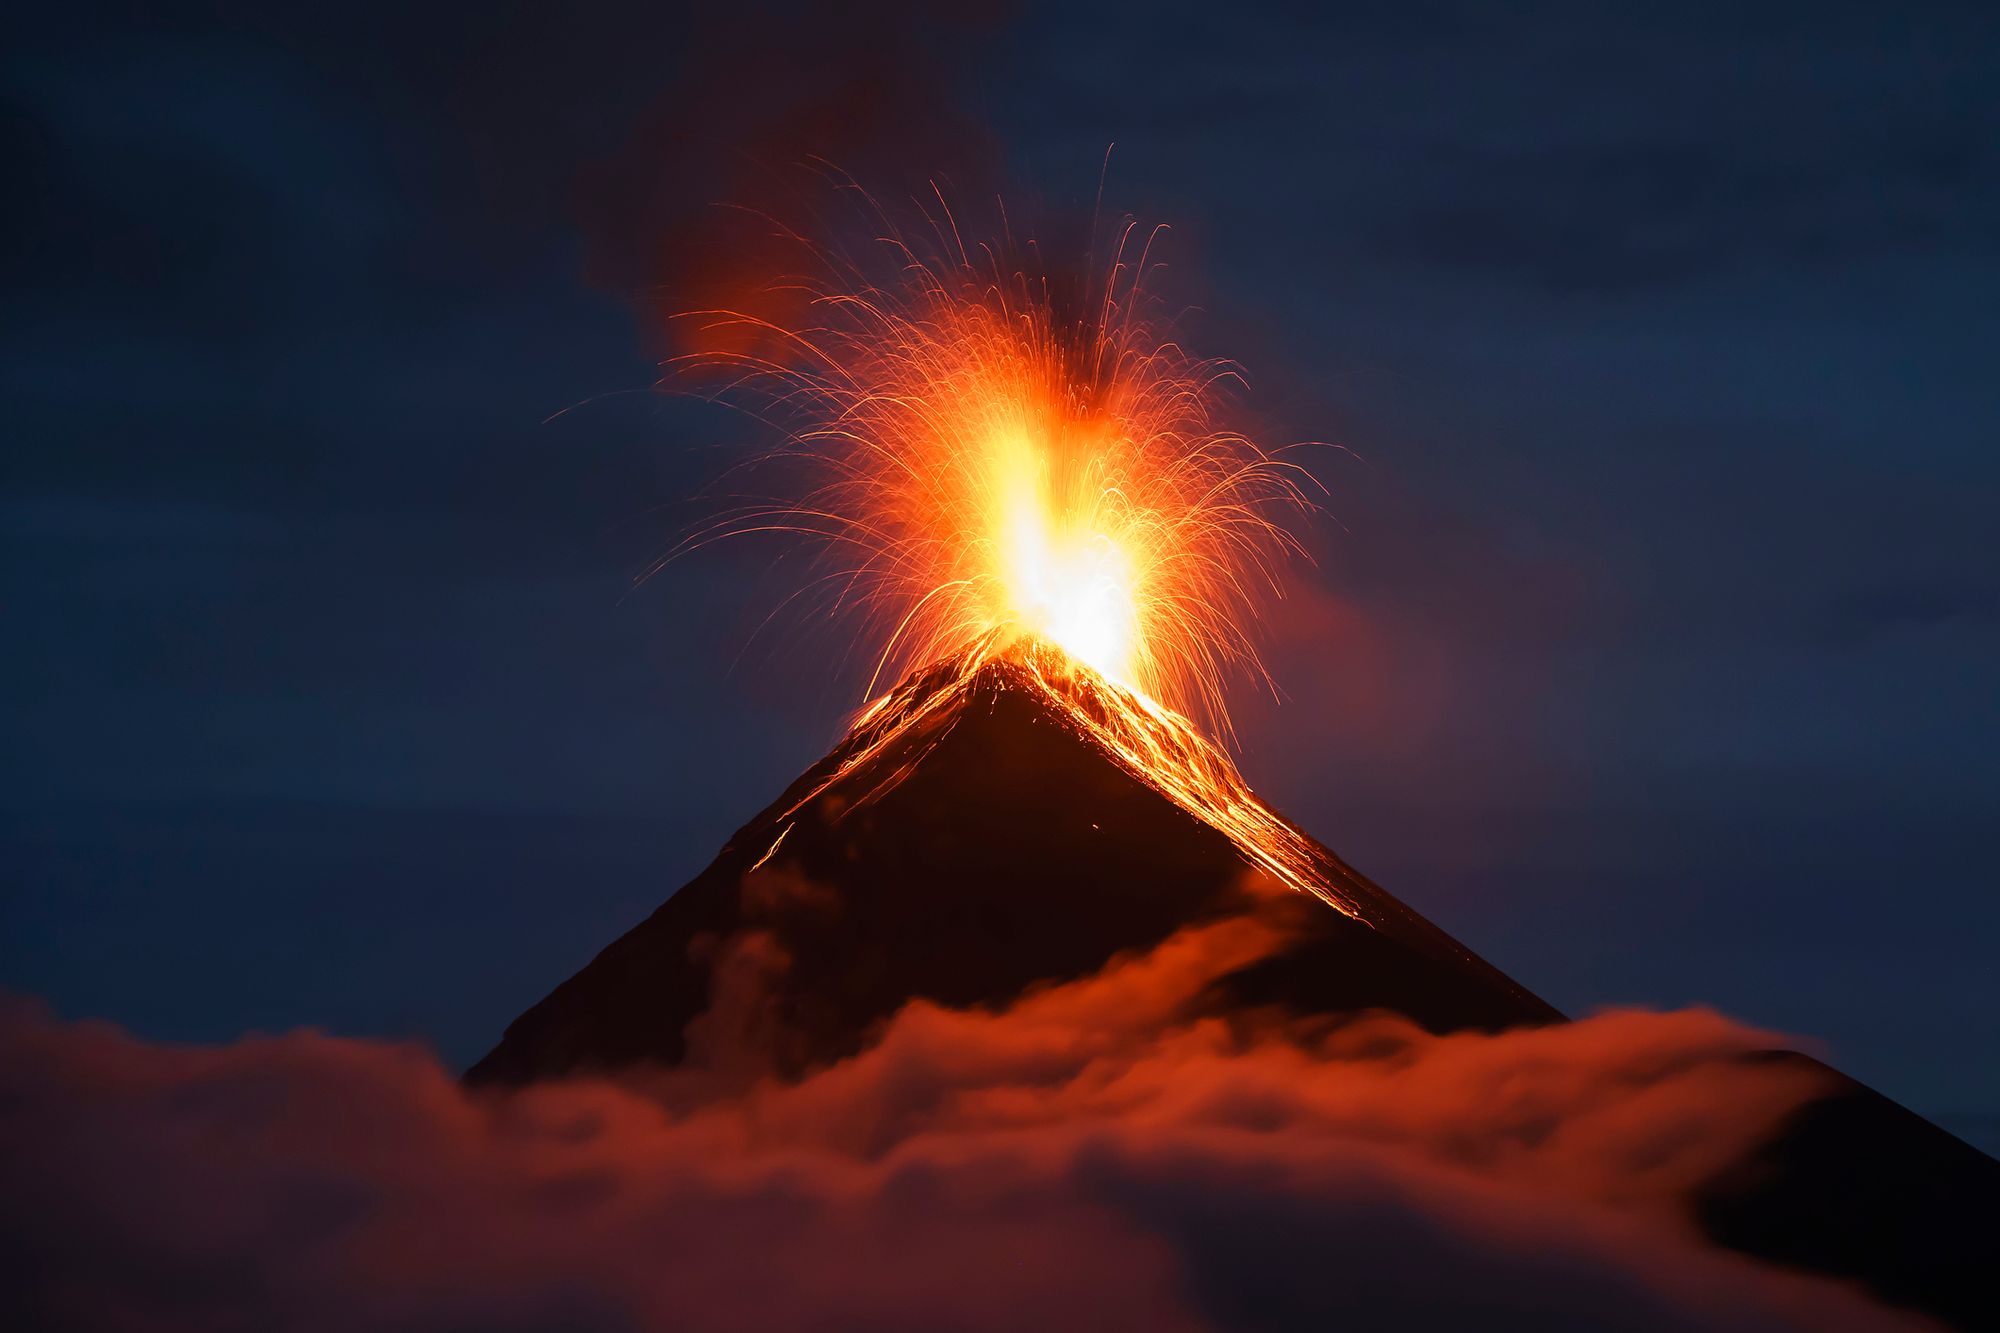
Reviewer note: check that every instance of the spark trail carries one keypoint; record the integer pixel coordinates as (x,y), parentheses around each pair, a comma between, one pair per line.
(990,467)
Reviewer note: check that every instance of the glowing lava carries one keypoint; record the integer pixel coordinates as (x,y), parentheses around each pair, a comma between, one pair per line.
(1154,744)
(996,476)
(979,460)
(1062,576)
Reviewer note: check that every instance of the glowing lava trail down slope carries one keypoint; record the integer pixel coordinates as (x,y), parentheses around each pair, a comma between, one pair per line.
(992,469)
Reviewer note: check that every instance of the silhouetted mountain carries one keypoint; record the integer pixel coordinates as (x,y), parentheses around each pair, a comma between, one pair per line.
(973,837)
(1854,1185)
(998,824)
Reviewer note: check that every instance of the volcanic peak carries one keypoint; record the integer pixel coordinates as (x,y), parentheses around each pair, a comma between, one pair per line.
(1151,743)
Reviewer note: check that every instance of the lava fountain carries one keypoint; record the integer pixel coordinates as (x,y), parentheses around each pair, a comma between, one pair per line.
(989,467)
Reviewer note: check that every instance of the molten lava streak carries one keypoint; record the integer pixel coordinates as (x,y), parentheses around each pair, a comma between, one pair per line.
(1156,745)
(990,472)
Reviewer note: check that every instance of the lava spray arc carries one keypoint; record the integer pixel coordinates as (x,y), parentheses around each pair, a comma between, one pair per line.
(997,461)
(984,450)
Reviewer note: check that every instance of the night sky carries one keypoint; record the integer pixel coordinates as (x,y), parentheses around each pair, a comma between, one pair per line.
(1651,644)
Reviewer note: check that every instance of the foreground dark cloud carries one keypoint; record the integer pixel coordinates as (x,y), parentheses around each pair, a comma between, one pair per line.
(1080,1160)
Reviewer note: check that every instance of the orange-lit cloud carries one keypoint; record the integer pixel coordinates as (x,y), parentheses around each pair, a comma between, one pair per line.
(1082,1159)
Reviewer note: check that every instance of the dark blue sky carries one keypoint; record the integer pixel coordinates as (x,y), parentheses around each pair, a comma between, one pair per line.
(1651,647)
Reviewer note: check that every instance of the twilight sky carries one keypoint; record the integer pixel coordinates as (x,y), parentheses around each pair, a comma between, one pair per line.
(1652,642)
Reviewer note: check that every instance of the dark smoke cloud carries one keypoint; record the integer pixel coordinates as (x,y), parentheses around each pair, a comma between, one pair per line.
(743,175)
(1080,1160)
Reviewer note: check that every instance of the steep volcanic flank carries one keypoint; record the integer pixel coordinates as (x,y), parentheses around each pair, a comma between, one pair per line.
(993,823)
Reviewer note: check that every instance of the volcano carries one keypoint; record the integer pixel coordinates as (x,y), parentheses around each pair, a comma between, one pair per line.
(997,823)
(1010,819)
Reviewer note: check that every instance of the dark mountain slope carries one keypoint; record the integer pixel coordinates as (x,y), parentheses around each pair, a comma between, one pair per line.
(974,837)
(1002,823)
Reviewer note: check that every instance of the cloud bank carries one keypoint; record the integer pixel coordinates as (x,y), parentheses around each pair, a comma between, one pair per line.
(1081,1160)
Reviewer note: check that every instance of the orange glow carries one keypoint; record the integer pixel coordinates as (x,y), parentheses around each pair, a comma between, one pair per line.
(980,464)
(991,474)
(1154,744)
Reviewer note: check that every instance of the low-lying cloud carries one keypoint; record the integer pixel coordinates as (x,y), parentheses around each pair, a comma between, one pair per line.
(1083,1159)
